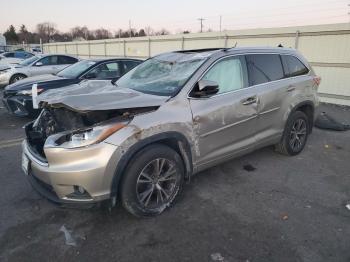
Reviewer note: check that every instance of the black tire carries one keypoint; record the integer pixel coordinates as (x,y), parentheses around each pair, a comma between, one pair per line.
(141,170)
(16,78)
(290,137)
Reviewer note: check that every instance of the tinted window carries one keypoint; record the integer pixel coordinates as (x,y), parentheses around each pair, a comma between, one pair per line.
(128,65)
(229,73)
(106,71)
(49,60)
(23,55)
(66,60)
(293,66)
(9,54)
(263,68)
(76,69)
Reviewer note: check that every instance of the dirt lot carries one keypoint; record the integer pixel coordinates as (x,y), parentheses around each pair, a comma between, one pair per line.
(283,209)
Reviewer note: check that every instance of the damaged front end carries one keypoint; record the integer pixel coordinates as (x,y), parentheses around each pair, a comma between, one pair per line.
(66,128)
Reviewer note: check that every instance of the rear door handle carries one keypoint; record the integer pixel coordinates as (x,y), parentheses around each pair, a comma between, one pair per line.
(249,100)
(290,88)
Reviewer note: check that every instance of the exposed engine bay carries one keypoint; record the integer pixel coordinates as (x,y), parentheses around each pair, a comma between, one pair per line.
(56,120)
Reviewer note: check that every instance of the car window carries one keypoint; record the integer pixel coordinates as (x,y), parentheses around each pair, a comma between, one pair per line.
(293,66)
(106,71)
(9,54)
(49,60)
(229,73)
(66,60)
(263,68)
(128,65)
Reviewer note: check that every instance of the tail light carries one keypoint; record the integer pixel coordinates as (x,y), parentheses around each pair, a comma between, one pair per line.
(317,81)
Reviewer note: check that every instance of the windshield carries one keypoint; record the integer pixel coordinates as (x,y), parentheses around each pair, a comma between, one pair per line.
(76,69)
(164,74)
(28,61)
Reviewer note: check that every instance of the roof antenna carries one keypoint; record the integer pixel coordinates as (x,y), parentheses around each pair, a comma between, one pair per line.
(235,45)
(280,45)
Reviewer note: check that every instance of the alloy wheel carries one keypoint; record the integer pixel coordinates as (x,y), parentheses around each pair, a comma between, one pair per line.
(298,135)
(156,185)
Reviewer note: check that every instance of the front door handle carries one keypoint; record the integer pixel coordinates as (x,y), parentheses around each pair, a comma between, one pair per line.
(249,100)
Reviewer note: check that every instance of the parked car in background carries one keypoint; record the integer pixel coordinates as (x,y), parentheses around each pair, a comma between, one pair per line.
(17,97)
(172,116)
(33,66)
(14,57)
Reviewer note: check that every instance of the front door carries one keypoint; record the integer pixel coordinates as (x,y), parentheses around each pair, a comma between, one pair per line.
(225,123)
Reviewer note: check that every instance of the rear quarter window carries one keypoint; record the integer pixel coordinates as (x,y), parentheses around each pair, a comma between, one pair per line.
(263,68)
(293,66)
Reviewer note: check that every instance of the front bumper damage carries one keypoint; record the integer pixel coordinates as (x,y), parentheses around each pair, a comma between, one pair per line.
(61,176)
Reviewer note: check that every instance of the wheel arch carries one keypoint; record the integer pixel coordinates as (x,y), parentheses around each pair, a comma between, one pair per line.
(16,74)
(174,140)
(308,108)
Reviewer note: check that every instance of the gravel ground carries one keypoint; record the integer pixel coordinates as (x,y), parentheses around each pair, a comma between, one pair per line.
(260,207)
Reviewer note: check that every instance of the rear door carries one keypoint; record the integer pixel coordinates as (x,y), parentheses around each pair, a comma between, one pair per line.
(267,77)
(225,123)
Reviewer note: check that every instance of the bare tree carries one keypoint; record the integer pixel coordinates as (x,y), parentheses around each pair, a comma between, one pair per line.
(46,30)
(102,33)
(81,32)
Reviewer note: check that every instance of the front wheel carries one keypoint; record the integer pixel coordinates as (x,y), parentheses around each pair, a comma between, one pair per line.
(295,134)
(16,78)
(152,181)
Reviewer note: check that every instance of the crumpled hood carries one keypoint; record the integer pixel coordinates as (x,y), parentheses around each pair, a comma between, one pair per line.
(99,95)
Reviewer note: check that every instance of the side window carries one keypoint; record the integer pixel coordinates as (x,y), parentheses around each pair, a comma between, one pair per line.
(49,60)
(263,68)
(9,55)
(293,66)
(128,65)
(229,73)
(105,71)
(66,60)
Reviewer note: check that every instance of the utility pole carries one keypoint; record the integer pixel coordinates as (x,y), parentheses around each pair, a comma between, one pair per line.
(201,21)
(129,28)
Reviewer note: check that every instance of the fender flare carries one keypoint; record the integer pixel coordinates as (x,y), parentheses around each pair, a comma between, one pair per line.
(183,145)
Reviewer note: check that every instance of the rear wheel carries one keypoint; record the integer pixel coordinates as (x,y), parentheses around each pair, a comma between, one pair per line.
(16,78)
(295,134)
(152,181)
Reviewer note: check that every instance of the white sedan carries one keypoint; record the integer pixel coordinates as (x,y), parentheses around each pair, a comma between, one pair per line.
(36,65)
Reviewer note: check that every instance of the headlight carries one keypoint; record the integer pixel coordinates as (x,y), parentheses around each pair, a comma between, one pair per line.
(89,136)
(29,92)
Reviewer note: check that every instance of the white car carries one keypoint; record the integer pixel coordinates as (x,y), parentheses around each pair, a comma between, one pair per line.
(14,57)
(36,65)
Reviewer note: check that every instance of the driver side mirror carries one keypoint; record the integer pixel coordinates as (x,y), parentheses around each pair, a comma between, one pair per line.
(39,64)
(205,88)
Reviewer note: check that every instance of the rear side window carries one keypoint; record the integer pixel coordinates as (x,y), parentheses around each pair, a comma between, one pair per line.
(293,66)
(263,68)
(66,60)
(128,65)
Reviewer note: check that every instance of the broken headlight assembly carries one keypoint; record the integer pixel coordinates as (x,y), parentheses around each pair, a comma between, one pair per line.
(89,136)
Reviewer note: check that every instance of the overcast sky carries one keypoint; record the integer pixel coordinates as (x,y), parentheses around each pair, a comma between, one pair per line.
(174,15)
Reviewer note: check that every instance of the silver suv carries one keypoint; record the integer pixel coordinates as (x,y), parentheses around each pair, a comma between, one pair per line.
(174,115)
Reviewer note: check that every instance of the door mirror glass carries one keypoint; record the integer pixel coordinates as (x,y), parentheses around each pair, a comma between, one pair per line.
(206,88)
(39,64)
